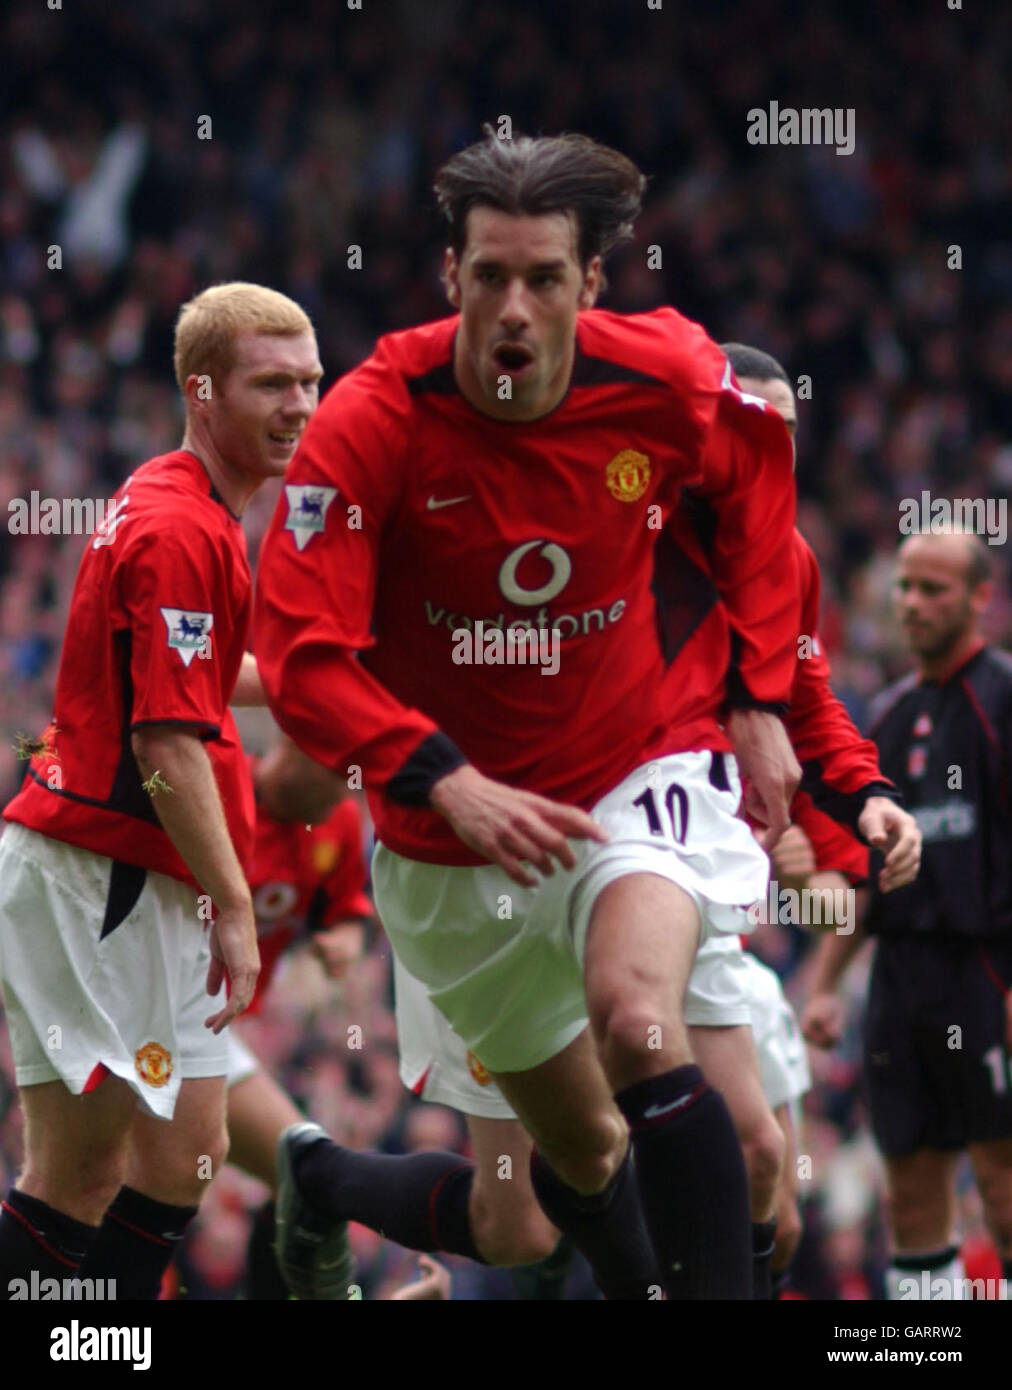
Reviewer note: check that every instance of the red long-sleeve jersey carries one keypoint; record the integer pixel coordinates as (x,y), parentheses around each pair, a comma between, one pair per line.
(409,516)
(840,768)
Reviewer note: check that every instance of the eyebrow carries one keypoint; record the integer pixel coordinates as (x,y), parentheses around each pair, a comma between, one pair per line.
(269,372)
(490,263)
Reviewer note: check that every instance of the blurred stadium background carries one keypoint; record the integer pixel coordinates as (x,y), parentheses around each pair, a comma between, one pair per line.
(327,125)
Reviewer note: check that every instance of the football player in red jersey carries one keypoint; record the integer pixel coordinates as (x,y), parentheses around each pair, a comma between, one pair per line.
(842,771)
(307,875)
(508,471)
(133,820)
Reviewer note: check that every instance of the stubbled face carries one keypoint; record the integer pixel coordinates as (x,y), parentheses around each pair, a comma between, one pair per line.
(256,416)
(935,604)
(780,397)
(519,286)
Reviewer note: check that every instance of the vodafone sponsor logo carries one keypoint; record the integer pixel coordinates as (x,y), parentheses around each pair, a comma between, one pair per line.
(568,625)
(516,591)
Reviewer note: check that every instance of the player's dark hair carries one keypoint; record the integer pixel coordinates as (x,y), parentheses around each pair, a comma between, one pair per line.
(753,363)
(528,177)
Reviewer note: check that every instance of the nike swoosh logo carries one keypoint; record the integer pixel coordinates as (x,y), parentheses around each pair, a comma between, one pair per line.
(665,1109)
(434,506)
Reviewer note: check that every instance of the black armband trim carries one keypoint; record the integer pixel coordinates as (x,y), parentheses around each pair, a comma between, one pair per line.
(413,781)
(843,807)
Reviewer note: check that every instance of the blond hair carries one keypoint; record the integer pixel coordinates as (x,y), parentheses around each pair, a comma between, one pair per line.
(208,325)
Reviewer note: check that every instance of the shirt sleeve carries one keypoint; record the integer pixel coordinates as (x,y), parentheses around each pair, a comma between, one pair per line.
(316,583)
(834,846)
(840,769)
(748,480)
(176,599)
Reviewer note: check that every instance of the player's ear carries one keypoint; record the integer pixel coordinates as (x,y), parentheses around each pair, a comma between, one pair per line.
(981,596)
(196,393)
(591,287)
(451,277)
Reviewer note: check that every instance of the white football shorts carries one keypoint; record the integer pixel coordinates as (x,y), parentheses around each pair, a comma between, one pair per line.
(241,1061)
(727,987)
(783,1061)
(503,963)
(103,966)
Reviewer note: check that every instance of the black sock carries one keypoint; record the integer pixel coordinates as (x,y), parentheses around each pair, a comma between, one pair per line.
(418,1200)
(135,1244)
(1006,1270)
(37,1239)
(780,1283)
(546,1279)
(763,1233)
(263,1277)
(607,1228)
(692,1182)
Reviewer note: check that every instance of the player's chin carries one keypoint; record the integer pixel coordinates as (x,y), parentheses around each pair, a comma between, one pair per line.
(276,458)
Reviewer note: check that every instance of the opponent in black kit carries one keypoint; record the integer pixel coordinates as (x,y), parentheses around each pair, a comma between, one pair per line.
(938,1030)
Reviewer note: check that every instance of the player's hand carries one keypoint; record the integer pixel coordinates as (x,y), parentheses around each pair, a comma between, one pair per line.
(769,768)
(823,1019)
(889,828)
(433,1283)
(506,825)
(793,857)
(233,953)
(337,948)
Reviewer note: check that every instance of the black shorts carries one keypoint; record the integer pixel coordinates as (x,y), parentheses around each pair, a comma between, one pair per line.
(937,1074)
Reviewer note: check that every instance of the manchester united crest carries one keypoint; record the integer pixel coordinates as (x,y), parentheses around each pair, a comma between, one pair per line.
(476,1069)
(153,1063)
(627,475)
(325,854)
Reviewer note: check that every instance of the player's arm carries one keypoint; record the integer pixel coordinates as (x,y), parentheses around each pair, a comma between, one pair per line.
(824,1014)
(313,615)
(294,788)
(748,481)
(840,769)
(168,572)
(185,796)
(249,688)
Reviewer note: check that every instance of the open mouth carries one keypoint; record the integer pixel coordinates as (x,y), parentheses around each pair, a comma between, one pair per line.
(513,357)
(287,440)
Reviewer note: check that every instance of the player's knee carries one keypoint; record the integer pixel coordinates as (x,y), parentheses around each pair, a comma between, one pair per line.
(764,1147)
(95,1183)
(84,1193)
(508,1238)
(590,1160)
(638,1029)
(182,1176)
(214,1152)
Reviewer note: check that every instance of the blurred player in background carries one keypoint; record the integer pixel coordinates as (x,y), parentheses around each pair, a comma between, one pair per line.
(741,1029)
(106,952)
(307,876)
(521,461)
(938,1031)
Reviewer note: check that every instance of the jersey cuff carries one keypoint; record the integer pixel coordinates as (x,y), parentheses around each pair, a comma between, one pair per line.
(843,807)
(432,759)
(745,702)
(208,730)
